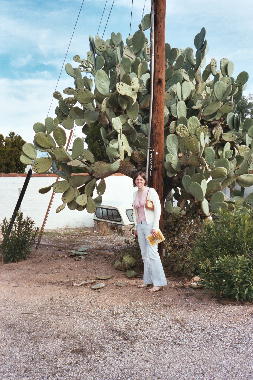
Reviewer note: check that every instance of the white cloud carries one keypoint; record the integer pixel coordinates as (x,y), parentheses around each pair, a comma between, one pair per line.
(40,35)
(25,102)
(21,61)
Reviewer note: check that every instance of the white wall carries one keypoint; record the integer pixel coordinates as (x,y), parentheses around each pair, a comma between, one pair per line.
(119,189)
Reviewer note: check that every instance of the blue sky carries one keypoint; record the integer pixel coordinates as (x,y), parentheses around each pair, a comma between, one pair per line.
(34,35)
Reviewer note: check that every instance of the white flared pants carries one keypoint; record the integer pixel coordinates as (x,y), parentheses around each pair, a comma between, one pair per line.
(153,269)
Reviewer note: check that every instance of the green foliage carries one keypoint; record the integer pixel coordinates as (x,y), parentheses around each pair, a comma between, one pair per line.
(244,108)
(181,232)
(193,247)
(110,100)
(230,232)
(215,254)
(10,151)
(129,259)
(230,277)
(95,143)
(17,245)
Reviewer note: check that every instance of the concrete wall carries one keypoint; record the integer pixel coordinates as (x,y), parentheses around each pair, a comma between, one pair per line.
(119,189)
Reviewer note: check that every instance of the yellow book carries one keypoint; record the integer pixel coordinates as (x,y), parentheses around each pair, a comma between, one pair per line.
(156,239)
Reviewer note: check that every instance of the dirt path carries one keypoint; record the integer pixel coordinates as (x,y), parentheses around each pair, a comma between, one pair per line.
(51,328)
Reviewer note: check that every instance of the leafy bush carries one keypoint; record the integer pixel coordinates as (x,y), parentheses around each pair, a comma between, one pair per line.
(230,277)
(230,232)
(181,232)
(17,245)
(129,257)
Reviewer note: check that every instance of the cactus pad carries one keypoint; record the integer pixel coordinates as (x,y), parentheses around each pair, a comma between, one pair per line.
(68,195)
(102,82)
(60,136)
(61,186)
(29,150)
(81,200)
(77,148)
(42,165)
(44,141)
(91,205)
(26,160)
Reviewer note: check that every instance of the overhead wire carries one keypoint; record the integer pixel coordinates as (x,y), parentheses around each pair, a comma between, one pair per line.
(131,18)
(58,79)
(66,54)
(102,16)
(143,10)
(108,18)
(71,132)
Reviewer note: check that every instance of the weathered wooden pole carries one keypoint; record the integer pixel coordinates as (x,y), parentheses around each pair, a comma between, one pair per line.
(157,122)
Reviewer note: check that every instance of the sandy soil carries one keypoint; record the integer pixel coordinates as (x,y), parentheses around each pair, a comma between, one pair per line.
(54,326)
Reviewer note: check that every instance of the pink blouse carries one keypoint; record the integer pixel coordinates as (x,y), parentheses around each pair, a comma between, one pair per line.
(139,205)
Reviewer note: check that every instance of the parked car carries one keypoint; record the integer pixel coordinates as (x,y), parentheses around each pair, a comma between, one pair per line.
(115,216)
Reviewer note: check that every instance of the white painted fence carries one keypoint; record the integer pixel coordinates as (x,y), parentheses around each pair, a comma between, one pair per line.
(119,190)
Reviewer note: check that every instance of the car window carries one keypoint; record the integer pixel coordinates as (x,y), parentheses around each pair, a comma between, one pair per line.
(108,214)
(98,212)
(116,216)
(129,213)
(104,213)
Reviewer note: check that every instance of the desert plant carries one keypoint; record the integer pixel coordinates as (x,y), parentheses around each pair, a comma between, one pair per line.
(229,233)
(230,277)
(128,259)
(208,147)
(181,232)
(17,244)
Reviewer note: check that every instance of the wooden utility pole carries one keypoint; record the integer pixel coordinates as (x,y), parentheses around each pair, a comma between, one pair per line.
(157,121)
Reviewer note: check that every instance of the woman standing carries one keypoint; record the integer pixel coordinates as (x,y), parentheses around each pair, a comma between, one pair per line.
(147,222)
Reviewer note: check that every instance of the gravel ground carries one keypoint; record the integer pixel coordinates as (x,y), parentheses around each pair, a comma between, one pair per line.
(52,330)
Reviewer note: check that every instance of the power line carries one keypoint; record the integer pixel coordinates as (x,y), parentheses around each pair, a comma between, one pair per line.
(109,15)
(143,9)
(71,132)
(131,18)
(101,18)
(67,51)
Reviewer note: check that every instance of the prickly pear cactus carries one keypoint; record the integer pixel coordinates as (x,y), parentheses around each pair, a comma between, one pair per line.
(208,147)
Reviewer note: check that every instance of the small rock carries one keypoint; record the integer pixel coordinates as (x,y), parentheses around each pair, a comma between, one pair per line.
(98,286)
(77,253)
(196,279)
(104,277)
(82,248)
(131,273)
(120,284)
(196,285)
(83,283)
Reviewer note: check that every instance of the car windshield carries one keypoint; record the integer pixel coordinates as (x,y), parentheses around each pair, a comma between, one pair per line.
(108,214)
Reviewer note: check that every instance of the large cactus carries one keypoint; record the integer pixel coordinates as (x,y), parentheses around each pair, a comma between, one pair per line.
(208,148)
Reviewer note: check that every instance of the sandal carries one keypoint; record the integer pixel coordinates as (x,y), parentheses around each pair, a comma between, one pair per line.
(155,289)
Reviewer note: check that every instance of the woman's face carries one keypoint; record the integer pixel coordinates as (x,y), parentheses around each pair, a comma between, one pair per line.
(140,182)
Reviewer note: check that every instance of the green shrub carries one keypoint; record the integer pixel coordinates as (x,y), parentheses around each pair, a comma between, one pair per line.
(230,277)
(180,234)
(231,232)
(128,258)
(17,245)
